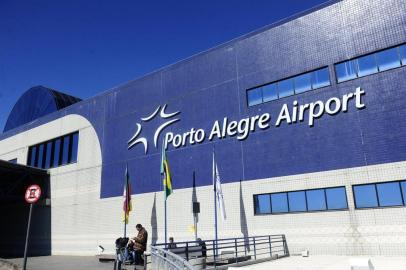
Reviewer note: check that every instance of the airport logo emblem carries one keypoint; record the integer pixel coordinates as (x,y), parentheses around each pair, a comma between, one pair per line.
(158,111)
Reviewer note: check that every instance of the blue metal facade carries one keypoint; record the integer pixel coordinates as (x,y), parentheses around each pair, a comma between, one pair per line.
(213,84)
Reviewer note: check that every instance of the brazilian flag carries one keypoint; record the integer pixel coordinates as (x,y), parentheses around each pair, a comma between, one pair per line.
(166,173)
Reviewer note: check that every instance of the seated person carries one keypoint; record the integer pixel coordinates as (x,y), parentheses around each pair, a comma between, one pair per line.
(139,245)
(171,243)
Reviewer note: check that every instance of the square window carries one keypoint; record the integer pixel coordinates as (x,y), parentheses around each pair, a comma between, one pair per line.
(320,78)
(254,96)
(336,198)
(402,50)
(285,88)
(389,194)
(270,92)
(262,204)
(297,201)
(316,200)
(388,59)
(365,196)
(303,83)
(279,203)
(345,71)
(367,65)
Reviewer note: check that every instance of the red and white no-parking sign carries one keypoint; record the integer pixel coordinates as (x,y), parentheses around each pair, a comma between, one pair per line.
(32,194)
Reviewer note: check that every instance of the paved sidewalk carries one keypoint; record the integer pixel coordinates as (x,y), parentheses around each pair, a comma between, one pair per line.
(328,263)
(5,265)
(67,263)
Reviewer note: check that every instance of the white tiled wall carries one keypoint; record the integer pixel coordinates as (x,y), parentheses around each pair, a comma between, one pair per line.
(81,220)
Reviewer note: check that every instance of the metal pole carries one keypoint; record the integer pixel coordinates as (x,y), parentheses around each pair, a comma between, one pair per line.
(125,228)
(215,220)
(166,229)
(195,221)
(215,202)
(26,238)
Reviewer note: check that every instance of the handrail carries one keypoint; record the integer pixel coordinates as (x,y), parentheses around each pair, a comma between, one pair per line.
(211,254)
(166,260)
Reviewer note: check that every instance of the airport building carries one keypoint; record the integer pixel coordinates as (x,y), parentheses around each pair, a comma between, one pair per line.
(306,118)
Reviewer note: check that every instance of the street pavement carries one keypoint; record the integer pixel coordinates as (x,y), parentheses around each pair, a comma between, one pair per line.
(328,263)
(289,263)
(67,263)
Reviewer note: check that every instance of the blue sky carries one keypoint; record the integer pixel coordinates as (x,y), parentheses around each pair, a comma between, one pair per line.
(86,47)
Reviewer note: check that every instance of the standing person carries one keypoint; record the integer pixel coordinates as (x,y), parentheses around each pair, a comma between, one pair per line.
(139,243)
(201,243)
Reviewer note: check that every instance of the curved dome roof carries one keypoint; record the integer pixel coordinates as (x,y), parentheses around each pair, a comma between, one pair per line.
(35,103)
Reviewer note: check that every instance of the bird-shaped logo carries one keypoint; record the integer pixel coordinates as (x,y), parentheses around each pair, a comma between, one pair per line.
(161,111)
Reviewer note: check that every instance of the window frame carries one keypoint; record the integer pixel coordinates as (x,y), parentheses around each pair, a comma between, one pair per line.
(306,201)
(292,78)
(55,161)
(375,53)
(403,196)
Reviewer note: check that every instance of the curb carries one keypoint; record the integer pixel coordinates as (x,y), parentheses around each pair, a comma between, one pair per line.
(6,265)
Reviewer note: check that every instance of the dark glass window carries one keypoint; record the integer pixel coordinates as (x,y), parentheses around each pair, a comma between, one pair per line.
(320,78)
(389,194)
(14,160)
(303,83)
(388,59)
(336,198)
(285,88)
(48,156)
(321,199)
(75,143)
(402,50)
(33,156)
(279,203)
(365,196)
(254,96)
(403,186)
(346,71)
(316,200)
(262,204)
(40,156)
(295,85)
(57,152)
(367,65)
(270,92)
(65,151)
(297,201)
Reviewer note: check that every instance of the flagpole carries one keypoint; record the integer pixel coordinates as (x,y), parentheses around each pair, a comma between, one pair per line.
(166,228)
(215,205)
(125,229)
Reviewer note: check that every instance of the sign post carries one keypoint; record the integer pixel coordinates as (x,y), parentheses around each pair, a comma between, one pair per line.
(32,195)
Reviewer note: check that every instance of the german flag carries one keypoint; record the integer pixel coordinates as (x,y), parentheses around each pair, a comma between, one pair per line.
(127,205)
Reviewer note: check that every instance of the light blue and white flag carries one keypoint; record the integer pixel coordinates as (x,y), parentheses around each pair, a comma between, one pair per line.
(218,190)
